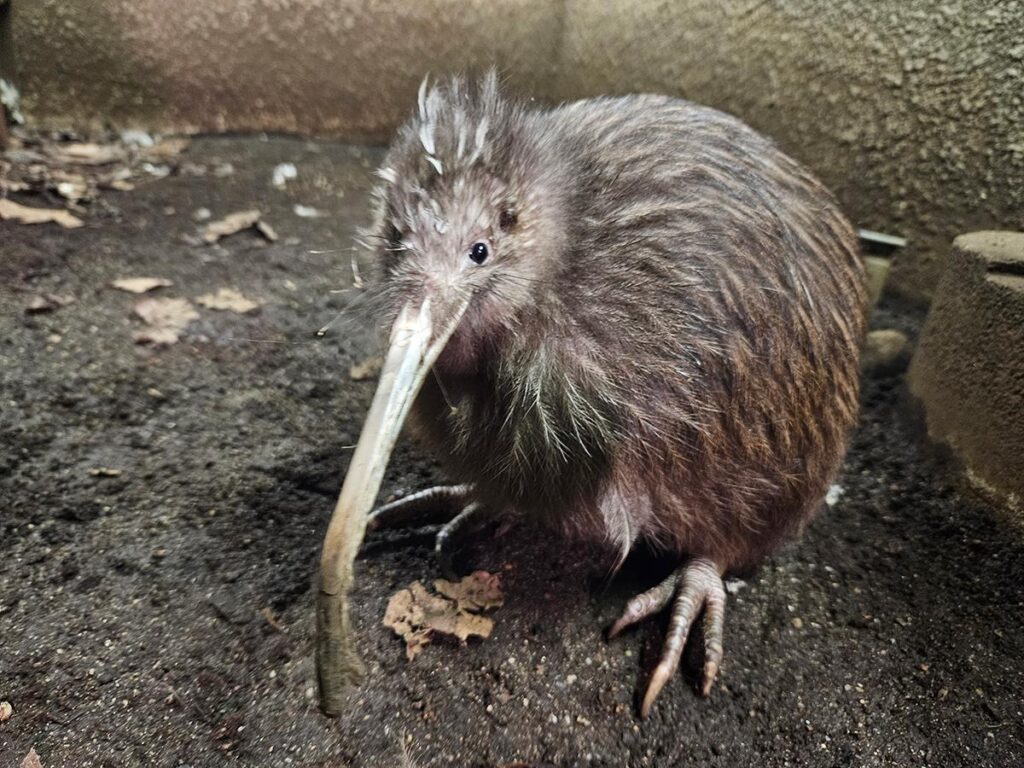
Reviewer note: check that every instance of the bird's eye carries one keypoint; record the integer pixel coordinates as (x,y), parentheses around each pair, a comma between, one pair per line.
(478,253)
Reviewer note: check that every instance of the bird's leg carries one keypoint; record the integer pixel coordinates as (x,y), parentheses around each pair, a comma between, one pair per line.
(448,538)
(696,585)
(447,505)
(428,507)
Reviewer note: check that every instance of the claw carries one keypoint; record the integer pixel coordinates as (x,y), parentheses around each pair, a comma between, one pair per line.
(662,674)
(710,672)
(714,625)
(645,604)
(695,586)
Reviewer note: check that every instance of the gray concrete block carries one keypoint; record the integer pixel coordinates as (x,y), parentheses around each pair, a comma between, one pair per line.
(968,369)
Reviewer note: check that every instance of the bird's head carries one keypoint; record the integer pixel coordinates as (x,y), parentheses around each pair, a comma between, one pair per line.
(467,243)
(467,219)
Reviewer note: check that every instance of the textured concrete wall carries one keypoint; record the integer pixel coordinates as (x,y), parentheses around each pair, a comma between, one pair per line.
(347,68)
(912,110)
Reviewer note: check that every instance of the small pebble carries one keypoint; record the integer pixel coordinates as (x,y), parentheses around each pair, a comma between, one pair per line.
(885,352)
(284,173)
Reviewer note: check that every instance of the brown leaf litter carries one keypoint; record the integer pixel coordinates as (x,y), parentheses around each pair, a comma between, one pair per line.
(237,222)
(36,163)
(47,302)
(140,284)
(104,472)
(228,299)
(31,760)
(166,320)
(87,153)
(12,211)
(417,616)
(480,591)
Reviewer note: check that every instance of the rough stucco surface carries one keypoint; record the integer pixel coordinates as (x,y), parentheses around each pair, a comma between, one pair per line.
(968,368)
(345,68)
(911,110)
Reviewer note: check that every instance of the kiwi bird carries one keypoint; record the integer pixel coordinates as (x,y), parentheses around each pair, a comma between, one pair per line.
(629,318)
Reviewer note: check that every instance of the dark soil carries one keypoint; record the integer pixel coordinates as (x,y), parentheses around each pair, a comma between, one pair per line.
(131,631)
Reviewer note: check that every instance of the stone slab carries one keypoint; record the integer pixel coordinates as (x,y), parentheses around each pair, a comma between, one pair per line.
(968,368)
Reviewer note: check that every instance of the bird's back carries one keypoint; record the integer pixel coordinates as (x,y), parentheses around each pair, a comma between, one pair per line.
(724,289)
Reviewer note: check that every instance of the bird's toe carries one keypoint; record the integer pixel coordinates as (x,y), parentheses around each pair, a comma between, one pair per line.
(695,587)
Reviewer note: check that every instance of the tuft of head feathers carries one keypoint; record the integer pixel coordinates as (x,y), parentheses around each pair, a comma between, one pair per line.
(449,128)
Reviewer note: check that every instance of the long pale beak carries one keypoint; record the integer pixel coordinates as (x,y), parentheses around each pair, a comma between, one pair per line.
(417,339)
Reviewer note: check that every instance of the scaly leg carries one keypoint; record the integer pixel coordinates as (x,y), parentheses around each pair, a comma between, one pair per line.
(696,585)
(448,538)
(429,507)
(447,505)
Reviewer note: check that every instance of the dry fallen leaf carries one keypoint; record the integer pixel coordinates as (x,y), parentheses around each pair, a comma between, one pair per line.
(166,318)
(404,617)
(480,591)
(47,302)
(229,225)
(6,711)
(105,472)
(13,211)
(267,231)
(367,369)
(166,149)
(228,299)
(417,616)
(31,760)
(89,153)
(140,284)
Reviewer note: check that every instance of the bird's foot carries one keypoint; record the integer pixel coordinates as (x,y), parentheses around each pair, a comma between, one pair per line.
(447,505)
(696,585)
(439,504)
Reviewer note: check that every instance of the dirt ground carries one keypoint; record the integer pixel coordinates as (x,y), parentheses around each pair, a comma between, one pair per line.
(133,629)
